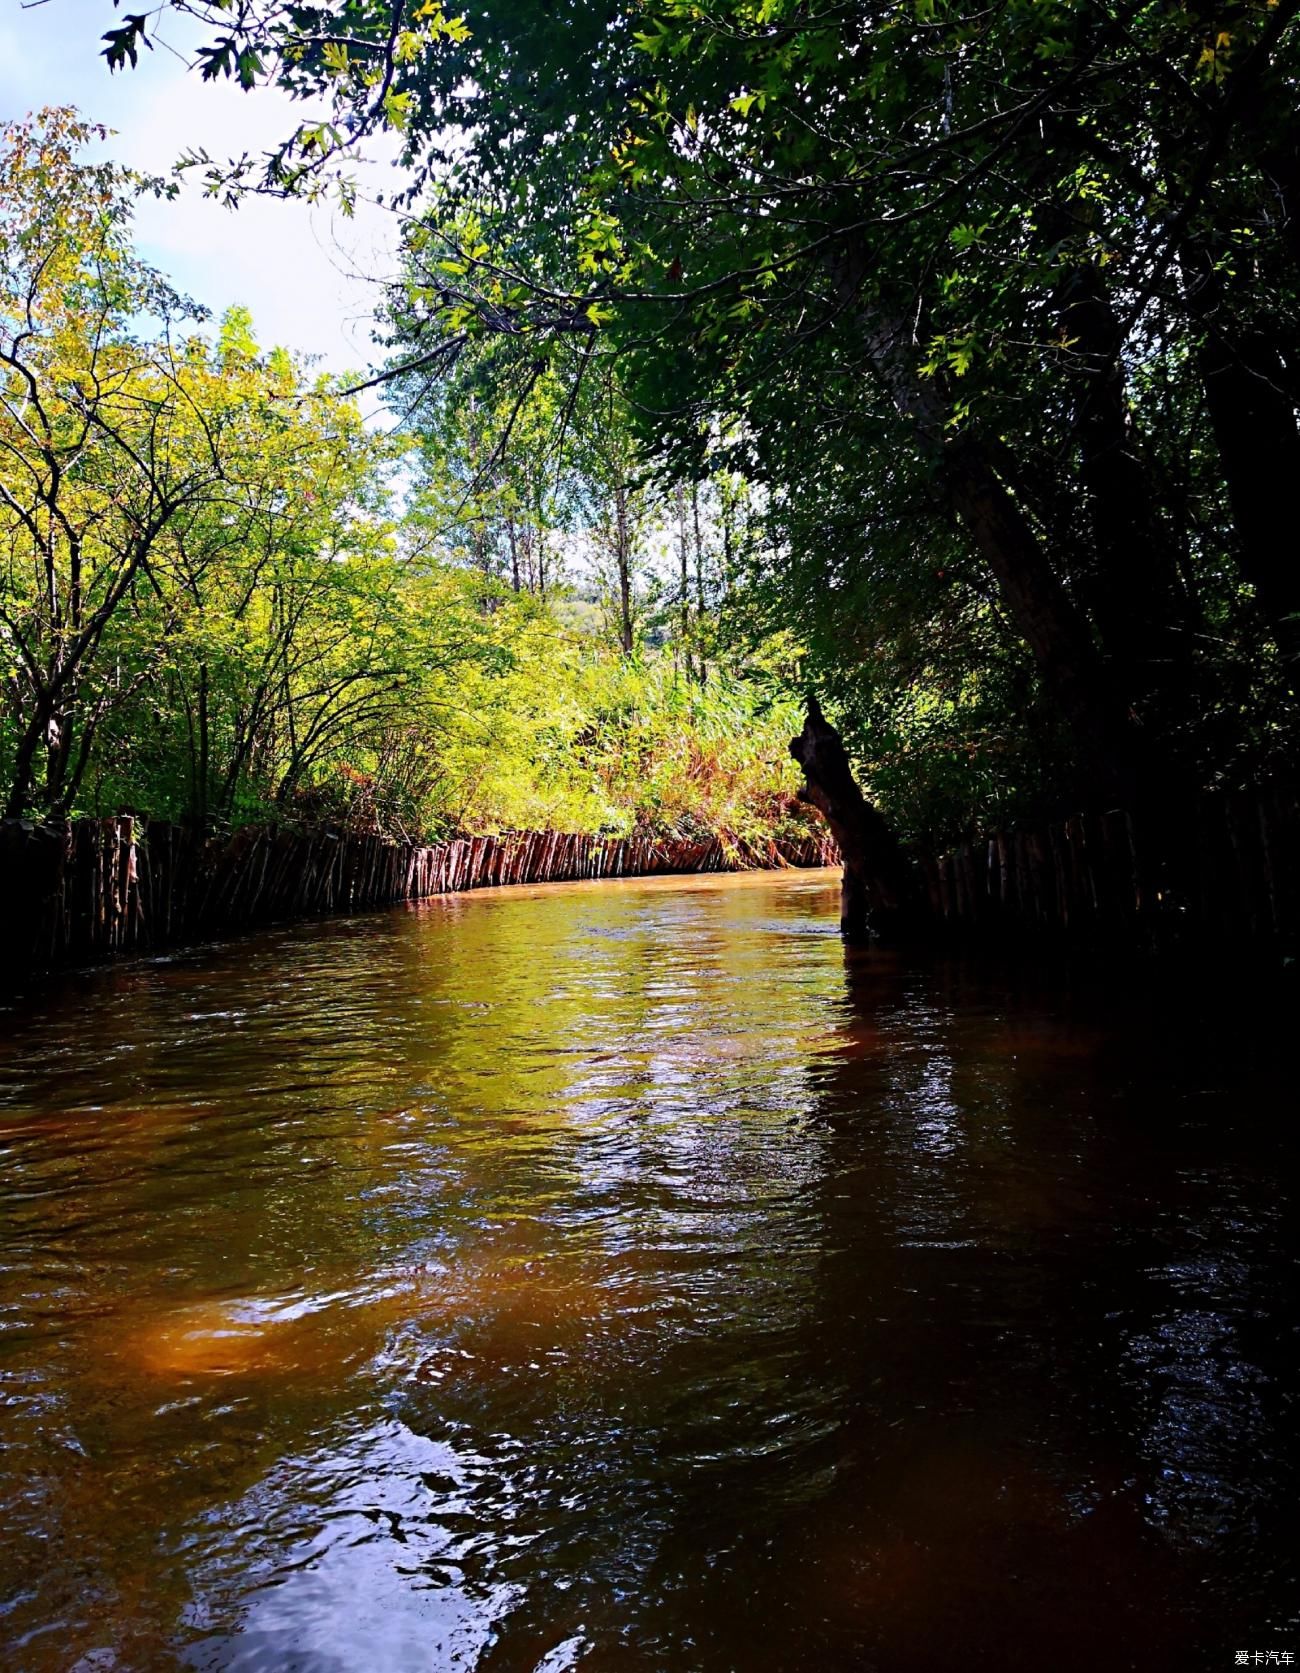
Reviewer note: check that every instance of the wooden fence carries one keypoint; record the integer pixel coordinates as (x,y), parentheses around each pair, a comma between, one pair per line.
(92,888)
(1227,869)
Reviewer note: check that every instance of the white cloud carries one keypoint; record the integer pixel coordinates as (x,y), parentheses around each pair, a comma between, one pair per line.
(310,276)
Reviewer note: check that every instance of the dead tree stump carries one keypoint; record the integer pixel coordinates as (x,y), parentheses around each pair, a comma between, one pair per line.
(878,892)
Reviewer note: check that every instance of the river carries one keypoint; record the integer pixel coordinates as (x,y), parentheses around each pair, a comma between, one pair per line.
(625,1277)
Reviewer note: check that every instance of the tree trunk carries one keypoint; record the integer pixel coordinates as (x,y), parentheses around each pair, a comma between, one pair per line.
(728,542)
(684,598)
(623,559)
(699,582)
(1068,661)
(23,774)
(58,752)
(1255,432)
(877,895)
(1132,590)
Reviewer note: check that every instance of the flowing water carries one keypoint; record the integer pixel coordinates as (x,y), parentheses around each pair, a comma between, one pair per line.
(625,1277)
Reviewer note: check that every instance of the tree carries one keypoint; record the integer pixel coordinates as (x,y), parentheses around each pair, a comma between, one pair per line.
(619,504)
(290,621)
(491,489)
(974,241)
(175,516)
(102,448)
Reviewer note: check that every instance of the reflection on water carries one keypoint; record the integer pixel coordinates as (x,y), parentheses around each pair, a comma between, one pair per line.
(623,1277)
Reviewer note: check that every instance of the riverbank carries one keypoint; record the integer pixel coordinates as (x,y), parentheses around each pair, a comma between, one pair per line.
(83,891)
(87,890)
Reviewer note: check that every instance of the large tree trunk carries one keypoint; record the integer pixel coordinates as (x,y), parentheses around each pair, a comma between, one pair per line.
(1255,432)
(23,774)
(1249,394)
(1067,659)
(1132,589)
(1074,675)
(1127,578)
(877,895)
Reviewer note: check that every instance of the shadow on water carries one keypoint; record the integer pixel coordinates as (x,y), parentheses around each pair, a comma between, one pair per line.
(627,1277)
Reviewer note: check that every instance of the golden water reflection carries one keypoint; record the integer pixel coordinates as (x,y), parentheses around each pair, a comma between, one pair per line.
(622,1277)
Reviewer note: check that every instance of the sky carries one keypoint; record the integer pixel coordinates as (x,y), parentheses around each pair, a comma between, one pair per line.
(309,275)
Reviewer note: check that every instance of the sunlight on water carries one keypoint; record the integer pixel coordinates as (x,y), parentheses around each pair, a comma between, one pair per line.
(208,1339)
(624,1277)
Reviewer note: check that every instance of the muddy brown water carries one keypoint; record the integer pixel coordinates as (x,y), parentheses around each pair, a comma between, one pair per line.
(625,1277)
